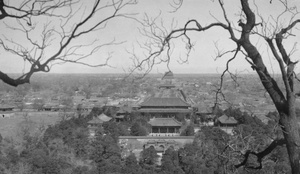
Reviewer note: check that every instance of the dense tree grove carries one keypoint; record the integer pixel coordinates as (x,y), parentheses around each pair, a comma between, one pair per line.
(138,130)
(66,148)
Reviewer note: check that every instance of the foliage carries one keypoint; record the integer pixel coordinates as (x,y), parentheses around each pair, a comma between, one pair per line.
(170,162)
(138,130)
(188,131)
(87,91)
(67,102)
(131,165)
(109,110)
(106,154)
(214,134)
(180,117)
(72,132)
(12,156)
(193,160)
(38,104)
(79,142)
(206,154)
(148,159)
(115,129)
(298,112)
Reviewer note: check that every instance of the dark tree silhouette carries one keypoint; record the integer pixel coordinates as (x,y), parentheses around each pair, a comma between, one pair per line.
(276,31)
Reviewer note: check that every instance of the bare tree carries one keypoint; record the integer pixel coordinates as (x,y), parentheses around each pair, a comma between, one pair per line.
(45,33)
(275,31)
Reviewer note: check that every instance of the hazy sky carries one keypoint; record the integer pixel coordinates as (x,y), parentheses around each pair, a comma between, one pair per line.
(201,59)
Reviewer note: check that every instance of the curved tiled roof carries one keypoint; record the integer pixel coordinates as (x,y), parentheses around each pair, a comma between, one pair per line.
(100,119)
(169,102)
(164,122)
(165,110)
(95,120)
(104,117)
(224,119)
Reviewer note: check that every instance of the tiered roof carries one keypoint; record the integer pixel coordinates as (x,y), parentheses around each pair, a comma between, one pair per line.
(167,102)
(164,122)
(99,119)
(165,110)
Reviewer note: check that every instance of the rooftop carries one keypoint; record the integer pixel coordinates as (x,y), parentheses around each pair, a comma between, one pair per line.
(224,119)
(166,86)
(104,117)
(100,119)
(165,110)
(164,122)
(169,102)
(156,138)
(95,120)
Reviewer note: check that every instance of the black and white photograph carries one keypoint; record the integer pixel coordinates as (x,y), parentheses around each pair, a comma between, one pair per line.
(149,87)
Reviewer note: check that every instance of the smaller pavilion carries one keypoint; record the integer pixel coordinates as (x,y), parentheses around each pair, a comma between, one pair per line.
(96,122)
(164,127)
(226,123)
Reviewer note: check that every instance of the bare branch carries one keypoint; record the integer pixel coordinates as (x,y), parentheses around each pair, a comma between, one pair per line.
(58,34)
(176,5)
(260,155)
(219,90)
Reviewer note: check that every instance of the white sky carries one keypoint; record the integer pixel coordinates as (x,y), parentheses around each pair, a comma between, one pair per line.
(201,58)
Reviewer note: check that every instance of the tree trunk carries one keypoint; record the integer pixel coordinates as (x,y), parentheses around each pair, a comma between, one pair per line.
(285,105)
(289,126)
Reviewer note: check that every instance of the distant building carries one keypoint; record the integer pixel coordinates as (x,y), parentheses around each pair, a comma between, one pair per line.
(6,107)
(6,111)
(97,122)
(164,127)
(166,86)
(226,123)
(84,107)
(122,113)
(51,107)
(164,107)
(167,80)
(204,115)
(104,117)
(162,110)
(168,76)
